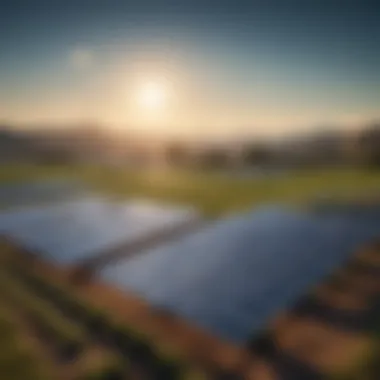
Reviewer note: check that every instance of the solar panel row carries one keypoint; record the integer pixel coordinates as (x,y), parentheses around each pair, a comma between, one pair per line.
(74,230)
(229,277)
(232,277)
(34,192)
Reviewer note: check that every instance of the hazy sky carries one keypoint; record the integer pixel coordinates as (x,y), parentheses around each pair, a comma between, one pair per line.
(223,67)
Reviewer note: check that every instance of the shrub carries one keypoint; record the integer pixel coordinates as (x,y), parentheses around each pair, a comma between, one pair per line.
(140,348)
(17,362)
(7,330)
(168,364)
(97,322)
(193,374)
(112,368)
(263,345)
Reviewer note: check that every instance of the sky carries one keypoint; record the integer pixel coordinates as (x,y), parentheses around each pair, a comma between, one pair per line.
(226,68)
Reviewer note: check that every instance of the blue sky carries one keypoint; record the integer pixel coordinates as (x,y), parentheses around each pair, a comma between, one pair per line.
(230,67)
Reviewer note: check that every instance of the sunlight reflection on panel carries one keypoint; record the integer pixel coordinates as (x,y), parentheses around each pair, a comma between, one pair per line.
(78,229)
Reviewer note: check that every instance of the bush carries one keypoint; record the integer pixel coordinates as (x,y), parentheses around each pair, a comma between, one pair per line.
(168,364)
(140,348)
(113,368)
(7,330)
(16,361)
(97,322)
(263,345)
(193,375)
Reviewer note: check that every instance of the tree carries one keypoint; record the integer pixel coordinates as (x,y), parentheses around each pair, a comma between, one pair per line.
(214,159)
(176,154)
(256,154)
(369,146)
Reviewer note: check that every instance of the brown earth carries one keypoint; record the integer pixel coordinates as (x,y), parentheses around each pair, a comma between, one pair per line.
(325,347)
(316,343)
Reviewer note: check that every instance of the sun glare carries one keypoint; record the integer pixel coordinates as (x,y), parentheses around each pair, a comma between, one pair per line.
(152,96)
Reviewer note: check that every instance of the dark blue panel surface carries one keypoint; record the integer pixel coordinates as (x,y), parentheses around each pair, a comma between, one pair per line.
(231,277)
(74,230)
(34,192)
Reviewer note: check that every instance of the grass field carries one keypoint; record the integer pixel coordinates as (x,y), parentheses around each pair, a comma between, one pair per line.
(212,193)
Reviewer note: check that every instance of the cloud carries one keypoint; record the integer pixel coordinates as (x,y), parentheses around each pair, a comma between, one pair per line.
(81,58)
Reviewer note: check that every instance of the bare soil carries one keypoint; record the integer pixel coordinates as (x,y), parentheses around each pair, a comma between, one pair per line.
(322,346)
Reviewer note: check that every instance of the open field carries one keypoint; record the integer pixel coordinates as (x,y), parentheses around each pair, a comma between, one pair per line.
(213,193)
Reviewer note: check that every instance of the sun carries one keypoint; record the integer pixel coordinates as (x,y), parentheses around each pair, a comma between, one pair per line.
(152,96)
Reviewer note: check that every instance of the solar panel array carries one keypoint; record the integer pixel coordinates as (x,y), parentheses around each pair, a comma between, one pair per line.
(78,229)
(231,277)
(34,192)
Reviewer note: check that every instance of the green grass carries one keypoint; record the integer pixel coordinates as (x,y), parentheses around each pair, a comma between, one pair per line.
(212,193)
(166,365)
(58,327)
(17,360)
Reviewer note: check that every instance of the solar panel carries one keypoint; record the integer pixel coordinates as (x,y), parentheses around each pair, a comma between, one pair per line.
(32,192)
(231,277)
(77,229)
